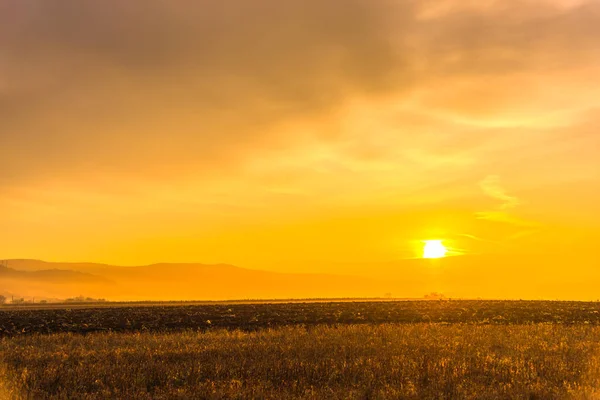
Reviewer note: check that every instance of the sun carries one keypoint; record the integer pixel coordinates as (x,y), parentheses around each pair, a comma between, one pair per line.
(434,249)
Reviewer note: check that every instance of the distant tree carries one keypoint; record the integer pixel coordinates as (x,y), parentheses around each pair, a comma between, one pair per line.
(82,299)
(435,296)
(2,299)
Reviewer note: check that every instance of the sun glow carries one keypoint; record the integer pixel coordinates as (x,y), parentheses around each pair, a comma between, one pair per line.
(434,249)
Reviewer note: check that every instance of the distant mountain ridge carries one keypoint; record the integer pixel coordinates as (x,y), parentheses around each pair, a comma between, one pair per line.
(54,274)
(469,276)
(164,281)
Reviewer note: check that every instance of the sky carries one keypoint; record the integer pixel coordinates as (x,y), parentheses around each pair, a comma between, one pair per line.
(294,135)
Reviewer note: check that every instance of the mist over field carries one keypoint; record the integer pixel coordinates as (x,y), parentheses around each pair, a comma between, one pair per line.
(453,277)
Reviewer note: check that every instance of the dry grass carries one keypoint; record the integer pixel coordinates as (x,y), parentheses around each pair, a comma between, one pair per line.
(420,361)
(4,387)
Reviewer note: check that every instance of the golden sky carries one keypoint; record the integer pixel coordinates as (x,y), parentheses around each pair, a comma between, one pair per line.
(290,135)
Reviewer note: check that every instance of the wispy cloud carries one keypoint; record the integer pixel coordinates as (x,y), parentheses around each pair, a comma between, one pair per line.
(500,216)
(491,186)
(524,234)
(476,238)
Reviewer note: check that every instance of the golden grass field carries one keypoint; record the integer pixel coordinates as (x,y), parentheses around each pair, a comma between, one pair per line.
(387,361)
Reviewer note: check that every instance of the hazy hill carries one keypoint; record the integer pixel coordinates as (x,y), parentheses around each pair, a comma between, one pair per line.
(54,275)
(38,265)
(472,276)
(50,283)
(191,282)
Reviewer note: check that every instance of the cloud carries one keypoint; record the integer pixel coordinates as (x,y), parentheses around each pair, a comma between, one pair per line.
(500,216)
(161,88)
(125,107)
(524,233)
(491,187)
(185,85)
(477,238)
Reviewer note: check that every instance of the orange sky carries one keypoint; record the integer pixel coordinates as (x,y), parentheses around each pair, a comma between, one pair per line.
(290,135)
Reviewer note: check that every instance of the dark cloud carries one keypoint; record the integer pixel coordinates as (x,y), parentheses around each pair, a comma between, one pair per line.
(125,85)
(299,51)
(85,78)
